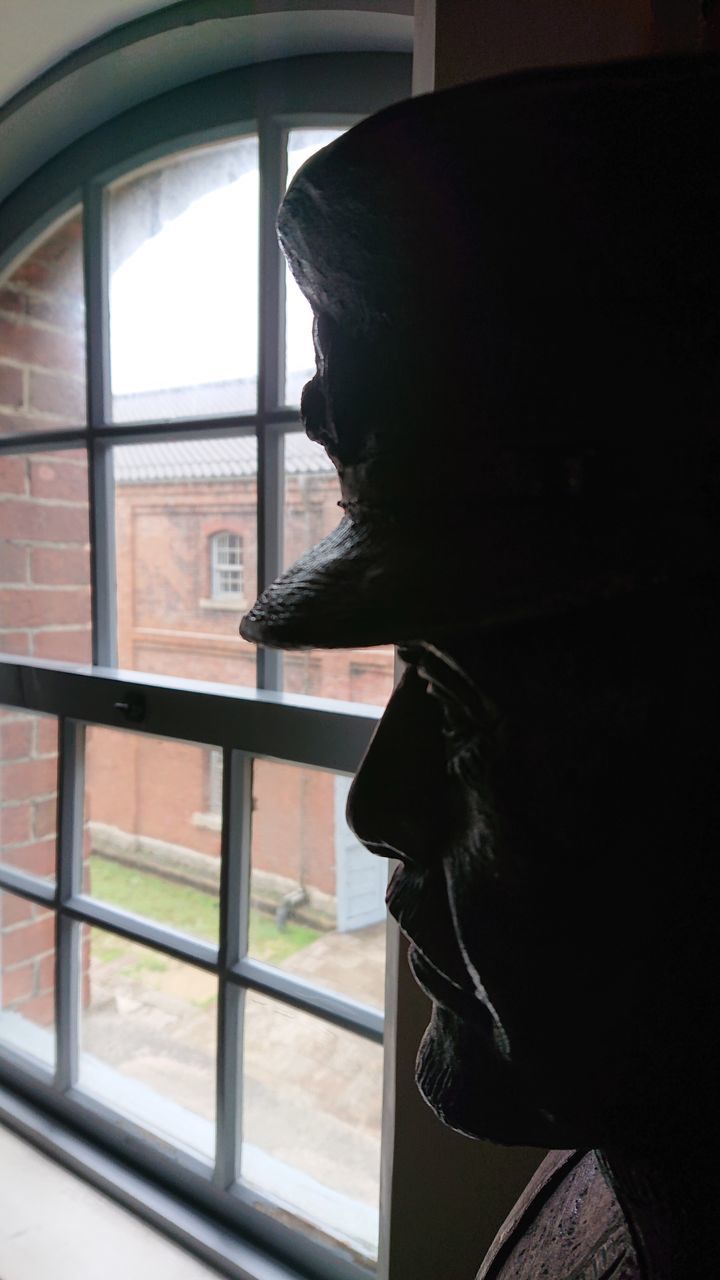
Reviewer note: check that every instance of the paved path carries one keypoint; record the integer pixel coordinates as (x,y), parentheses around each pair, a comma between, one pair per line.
(311,1092)
(53,1226)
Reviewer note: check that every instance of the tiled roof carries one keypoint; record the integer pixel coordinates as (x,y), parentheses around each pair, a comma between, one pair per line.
(224,458)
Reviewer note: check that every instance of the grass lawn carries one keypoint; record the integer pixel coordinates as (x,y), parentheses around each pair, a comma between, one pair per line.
(181,907)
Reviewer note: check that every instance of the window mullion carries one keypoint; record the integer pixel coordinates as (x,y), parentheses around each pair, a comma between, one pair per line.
(234,915)
(271,300)
(271,449)
(102,553)
(69,882)
(271,359)
(100,462)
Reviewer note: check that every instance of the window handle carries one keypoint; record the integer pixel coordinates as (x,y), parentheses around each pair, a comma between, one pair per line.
(132,707)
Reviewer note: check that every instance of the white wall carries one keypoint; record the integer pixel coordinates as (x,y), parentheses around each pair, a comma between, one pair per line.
(38,33)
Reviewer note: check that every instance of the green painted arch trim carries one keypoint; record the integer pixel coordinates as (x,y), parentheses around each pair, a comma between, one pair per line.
(173,46)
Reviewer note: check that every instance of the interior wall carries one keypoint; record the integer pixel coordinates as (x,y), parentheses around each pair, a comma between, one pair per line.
(476,38)
(449,1193)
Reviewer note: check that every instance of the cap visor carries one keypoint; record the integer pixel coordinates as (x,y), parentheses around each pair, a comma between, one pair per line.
(346,591)
(380,583)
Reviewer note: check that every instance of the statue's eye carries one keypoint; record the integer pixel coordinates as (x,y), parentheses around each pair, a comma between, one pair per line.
(468,721)
(409,654)
(459,729)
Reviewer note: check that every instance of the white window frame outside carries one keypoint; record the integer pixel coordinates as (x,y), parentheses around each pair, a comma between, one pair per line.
(227,566)
(214,780)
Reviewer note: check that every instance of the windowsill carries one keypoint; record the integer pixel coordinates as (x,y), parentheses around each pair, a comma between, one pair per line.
(340,1216)
(207,821)
(56,1227)
(226,604)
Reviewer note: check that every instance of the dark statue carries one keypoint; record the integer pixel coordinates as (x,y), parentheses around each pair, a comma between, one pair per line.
(516,289)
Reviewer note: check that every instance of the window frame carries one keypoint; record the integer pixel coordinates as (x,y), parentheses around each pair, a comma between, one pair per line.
(213,782)
(244,724)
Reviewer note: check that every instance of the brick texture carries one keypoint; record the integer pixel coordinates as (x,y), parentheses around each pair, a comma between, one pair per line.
(11,386)
(16,739)
(13,475)
(50,565)
(44,582)
(57,477)
(169,623)
(28,940)
(63,644)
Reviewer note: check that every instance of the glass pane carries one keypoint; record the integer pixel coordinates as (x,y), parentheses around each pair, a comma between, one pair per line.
(311,512)
(152,828)
(42,333)
(148,1038)
(317,896)
(312,1097)
(299,351)
(179,604)
(183,243)
(27,977)
(44,556)
(28,791)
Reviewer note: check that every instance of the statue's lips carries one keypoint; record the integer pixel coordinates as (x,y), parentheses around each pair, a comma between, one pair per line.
(419,904)
(462,1001)
(417,899)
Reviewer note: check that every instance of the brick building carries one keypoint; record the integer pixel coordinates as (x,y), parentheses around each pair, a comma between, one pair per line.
(44,580)
(186,564)
(186,567)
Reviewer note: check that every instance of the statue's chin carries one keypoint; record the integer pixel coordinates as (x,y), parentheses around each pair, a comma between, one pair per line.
(471,1089)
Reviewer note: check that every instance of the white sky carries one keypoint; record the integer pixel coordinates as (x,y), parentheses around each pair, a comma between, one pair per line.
(183,306)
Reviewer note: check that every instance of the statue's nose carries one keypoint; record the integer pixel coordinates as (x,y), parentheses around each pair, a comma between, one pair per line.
(397,805)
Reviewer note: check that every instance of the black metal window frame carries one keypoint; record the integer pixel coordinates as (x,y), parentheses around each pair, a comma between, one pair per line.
(244,724)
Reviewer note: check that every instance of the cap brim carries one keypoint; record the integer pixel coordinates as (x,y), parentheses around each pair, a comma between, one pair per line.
(377,583)
(384,582)
(347,590)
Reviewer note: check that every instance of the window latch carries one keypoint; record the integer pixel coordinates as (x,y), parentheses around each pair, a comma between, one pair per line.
(132,707)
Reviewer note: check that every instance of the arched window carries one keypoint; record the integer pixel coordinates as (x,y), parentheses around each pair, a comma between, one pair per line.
(226,566)
(151,355)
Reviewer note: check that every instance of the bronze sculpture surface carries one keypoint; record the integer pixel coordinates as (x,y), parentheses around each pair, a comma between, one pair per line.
(516,288)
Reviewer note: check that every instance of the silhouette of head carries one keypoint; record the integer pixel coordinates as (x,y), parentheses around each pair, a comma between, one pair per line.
(515,287)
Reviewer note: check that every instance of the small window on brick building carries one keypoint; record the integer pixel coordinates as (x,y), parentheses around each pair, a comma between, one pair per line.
(226,566)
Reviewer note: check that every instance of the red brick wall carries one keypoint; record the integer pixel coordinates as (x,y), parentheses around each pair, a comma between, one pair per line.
(27,948)
(28,823)
(44,556)
(42,340)
(28,791)
(151,787)
(168,621)
(45,613)
(294,824)
(169,624)
(44,579)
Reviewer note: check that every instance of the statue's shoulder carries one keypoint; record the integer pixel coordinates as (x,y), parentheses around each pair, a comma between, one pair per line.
(567,1225)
